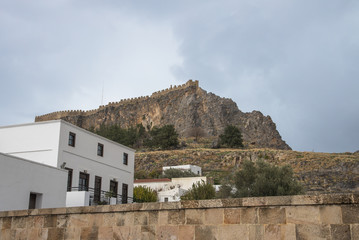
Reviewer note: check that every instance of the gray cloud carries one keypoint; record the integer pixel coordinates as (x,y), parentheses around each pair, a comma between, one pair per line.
(293,60)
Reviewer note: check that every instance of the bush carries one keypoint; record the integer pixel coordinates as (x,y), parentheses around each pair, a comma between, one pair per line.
(200,191)
(144,194)
(177,173)
(263,179)
(164,137)
(232,137)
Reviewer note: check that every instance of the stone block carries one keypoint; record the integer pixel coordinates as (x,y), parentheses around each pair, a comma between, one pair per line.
(20,233)
(18,222)
(50,221)
(232,202)
(35,222)
(303,215)
(153,217)
(3,214)
(124,219)
(163,217)
(194,216)
(167,232)
(127,232)
(95,219)
(232,215)
(301,200)
(78,220)
(340,231)
(278,201)
(312,231)
(213,203)
(206,232)
(288,231)
(256,231)
(37,233)
(6,223)
(189,204)
(254,201)
(55,233)
(120,208)
(176,217)
(249,215)
(137,206)
(5,234)
(151,206)
(72,232)
(350,214)
(330,214)
(58,211)
(140,218)
(109,220)
(337,198)
(232,232)
(170,205)
(274,215)
(105,233)
(272,231)
(148,232)
(354,229)
(186,232)
(89,233)
(213,216)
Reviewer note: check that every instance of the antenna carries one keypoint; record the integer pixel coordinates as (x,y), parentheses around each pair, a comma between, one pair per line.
(103,86)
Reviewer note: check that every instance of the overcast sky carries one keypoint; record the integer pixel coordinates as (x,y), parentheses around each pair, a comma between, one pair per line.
(295,60)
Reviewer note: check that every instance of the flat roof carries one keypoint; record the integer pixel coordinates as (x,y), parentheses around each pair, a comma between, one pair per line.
(152,180)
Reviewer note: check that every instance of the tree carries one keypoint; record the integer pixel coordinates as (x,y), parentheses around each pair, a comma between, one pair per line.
(263,179)
(200,191)
(197,133)
(144,194)
(164,137)
(232,137)
(177,173)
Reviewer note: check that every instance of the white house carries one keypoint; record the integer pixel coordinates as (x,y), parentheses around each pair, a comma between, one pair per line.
(192,168)
(26,184)
(95,165)
(170,190)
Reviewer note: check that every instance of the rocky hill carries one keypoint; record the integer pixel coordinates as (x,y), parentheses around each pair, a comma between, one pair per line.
(318,172)
(188,107)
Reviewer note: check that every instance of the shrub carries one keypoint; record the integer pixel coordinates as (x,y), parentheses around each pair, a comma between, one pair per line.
(164,137)
(232,137)
(144,194)
(200,191)
(263,179)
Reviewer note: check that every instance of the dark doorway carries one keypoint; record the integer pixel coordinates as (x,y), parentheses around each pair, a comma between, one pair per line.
(97,193)
(113,188)
(124,193)
(32,201)
(69,179)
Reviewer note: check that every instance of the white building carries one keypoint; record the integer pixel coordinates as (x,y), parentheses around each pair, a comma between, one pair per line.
(170,190)
(192,168)
(26,184)
(94,164)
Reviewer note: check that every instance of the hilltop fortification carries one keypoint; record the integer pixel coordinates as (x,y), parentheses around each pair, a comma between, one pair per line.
(188,107)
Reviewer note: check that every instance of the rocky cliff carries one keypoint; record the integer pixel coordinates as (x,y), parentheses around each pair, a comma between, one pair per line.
(188,107)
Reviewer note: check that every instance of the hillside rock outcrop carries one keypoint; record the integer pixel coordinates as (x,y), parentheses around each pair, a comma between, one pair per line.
(188,107)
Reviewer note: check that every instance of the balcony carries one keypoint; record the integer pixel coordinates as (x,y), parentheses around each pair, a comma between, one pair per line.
(88,197)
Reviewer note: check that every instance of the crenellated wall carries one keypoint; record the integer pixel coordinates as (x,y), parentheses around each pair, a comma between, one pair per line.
(328,216)
(135,100)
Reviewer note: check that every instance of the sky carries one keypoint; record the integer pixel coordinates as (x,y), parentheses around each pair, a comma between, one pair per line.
(294,60)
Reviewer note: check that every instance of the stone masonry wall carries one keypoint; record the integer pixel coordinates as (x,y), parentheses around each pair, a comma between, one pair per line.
(332,216)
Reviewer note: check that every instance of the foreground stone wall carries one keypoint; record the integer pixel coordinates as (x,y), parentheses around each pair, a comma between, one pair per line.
(334,216)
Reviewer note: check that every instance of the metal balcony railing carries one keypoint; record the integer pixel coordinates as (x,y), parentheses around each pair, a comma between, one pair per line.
(103,197)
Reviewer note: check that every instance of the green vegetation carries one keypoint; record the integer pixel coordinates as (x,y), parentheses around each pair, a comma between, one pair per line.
(232,137)
(164,137)
(144,194)
(263,179)
(200,191)
(177,173)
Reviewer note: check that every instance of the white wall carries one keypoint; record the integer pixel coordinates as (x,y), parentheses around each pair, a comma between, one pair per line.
(193,168)
(20,177)
(84,157)
(37,142)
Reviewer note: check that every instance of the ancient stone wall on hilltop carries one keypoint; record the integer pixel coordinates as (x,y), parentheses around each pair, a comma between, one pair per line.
(187,107)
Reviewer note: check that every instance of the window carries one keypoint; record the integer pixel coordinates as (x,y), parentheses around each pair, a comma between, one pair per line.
(125,158)
(100,150)
(84,182)
(124,193)
(69,179)
(72,138)
(32,201)
(166,199)
(97,191)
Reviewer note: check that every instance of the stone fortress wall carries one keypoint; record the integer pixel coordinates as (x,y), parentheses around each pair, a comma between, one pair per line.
(136,100)
(327,216)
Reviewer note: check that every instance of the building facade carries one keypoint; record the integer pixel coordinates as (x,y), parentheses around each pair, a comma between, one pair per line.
(191,168)
(97,167)
(26,184)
